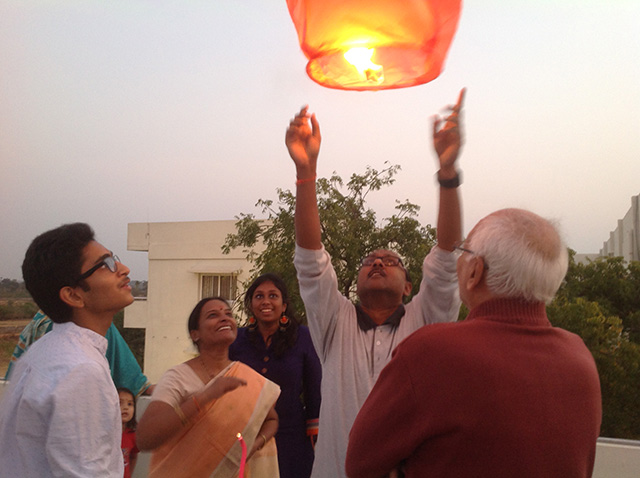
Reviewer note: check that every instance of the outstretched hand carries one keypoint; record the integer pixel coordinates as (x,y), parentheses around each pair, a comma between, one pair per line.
(447,140)
(303,141)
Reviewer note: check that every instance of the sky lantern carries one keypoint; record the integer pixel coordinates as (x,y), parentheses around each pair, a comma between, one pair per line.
(374,44)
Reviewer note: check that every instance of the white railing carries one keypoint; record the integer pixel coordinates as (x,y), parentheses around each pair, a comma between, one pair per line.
(616,458)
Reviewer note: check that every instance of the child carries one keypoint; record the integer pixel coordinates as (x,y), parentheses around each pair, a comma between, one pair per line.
(129,448)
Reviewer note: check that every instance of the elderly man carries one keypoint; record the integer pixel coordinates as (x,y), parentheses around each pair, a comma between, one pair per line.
(501,394)
(354,343)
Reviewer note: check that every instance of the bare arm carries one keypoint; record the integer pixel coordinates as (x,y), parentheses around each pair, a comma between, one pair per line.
(267,431)
(160,421)
(447,142)
(303,143)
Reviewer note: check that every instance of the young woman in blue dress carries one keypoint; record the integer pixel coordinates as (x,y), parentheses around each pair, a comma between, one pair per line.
(275,345)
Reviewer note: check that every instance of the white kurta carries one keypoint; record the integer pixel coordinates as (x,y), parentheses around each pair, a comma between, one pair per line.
(60,414)
(352,358)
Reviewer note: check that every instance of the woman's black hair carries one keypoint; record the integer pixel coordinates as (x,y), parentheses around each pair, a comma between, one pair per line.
(133,423)
(284,338)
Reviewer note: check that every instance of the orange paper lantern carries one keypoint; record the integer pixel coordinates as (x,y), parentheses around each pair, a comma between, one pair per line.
(374,44)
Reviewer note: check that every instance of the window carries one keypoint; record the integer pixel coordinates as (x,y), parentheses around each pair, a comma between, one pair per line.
(223,285)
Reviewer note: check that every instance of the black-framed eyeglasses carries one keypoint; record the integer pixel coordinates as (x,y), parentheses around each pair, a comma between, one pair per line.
(110,261)
(388,261)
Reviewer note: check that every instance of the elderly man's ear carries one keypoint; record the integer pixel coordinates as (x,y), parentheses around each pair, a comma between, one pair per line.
(475,277)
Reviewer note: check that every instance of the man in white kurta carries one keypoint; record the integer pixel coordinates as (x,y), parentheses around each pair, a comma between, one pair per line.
(49,425)
(60,415)
(354,343)
(353,349)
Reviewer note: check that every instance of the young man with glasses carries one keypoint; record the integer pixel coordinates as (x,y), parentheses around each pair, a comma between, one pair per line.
(502,393)
(60,415)
(354,343)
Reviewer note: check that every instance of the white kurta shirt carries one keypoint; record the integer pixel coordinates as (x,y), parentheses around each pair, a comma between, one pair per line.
(60,415)
(351,357)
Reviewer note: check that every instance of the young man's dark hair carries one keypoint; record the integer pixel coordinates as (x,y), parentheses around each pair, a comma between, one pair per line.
(53,261)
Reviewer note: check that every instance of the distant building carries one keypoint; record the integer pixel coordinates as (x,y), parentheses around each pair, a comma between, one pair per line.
(186,263)
(624,241)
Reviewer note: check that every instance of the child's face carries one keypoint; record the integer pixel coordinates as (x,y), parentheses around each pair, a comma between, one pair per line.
(127,406)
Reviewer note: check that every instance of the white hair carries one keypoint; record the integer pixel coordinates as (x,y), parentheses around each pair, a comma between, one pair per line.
(525,254)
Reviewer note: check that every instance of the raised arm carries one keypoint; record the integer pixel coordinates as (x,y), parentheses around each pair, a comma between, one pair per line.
(303,143)
(447,142)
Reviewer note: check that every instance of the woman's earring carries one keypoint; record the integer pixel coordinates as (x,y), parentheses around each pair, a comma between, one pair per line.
(253,323)
(284,323)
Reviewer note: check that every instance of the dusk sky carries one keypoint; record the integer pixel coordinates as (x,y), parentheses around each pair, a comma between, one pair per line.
(113,112)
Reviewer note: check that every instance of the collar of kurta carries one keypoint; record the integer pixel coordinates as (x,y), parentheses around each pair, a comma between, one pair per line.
(366,323)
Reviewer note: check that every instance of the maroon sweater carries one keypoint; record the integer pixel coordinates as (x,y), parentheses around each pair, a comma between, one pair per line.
(501,394)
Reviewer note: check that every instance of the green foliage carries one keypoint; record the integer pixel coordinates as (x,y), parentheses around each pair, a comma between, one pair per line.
(617,359)
(12,289)
(613,284)
(350,230)
(18,309)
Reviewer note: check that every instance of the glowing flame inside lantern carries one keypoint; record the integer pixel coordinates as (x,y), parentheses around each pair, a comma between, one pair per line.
(360,58)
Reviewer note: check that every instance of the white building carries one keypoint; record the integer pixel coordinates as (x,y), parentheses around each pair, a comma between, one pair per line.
(624,241)
(186,263)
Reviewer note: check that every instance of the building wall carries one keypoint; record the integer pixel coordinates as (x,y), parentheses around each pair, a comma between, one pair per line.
(624,241)
(179,253)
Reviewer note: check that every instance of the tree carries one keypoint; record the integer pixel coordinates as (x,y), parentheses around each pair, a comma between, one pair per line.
(11,288)
(350,230)
(612,283)
(600,301)
(617,359)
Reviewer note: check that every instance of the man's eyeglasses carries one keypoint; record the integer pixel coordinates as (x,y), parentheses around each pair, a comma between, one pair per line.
(458,247)
(388,261)
(110,261)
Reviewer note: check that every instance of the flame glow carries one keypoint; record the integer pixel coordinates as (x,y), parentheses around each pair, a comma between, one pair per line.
(360,58)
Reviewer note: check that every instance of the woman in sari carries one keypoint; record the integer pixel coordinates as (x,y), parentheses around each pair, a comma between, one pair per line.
(199,407)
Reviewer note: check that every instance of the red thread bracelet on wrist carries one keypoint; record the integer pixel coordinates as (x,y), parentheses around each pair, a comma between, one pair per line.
(306,180)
